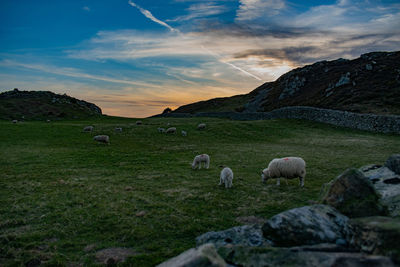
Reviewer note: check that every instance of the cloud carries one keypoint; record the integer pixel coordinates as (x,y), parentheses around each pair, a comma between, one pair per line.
(150,16)
(201,10)
(253,9)
(86,8)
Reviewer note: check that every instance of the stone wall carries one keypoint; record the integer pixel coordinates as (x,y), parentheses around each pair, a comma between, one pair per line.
(367,122)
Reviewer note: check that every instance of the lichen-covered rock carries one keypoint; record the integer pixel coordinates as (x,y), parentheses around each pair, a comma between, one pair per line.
(387,184)
(393,163)
(353,195)
(206,255)
(320,255)
(376,235)
(306,226)
(247,235)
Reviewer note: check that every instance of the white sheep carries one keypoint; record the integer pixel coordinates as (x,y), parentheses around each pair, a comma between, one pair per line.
(161,130)
(88,128)
(171,130)
(289,167)
(118,129)
(184,133)
(102,139)
(199,159)
(201,126)
(226,177)
(14,121)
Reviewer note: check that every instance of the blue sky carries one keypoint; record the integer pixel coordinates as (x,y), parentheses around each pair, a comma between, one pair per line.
(134,58)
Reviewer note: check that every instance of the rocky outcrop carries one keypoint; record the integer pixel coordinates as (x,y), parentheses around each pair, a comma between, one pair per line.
(205,255)
(376,235)
(353,195)
(387,184)
(307,225)
(246,235)
(393,163)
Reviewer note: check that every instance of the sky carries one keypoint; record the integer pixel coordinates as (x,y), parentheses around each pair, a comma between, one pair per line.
(134,58)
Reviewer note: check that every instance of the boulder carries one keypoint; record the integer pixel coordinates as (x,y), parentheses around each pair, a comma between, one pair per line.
(376,235)
(205,255)
(393,163)
(387,184)
(321,255)
(306,226)
(353,195)
(247,235)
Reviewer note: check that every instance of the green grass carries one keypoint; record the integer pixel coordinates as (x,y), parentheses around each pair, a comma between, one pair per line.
(60,191)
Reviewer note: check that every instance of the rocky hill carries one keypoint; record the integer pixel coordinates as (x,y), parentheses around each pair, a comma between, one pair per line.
(368,84)
(30,105)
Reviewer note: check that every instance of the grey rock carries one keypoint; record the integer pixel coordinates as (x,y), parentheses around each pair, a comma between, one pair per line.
(206,255)
(247,235)
(387,184)
(354,195)
(317,256)
(291,86)
(393,163)
(368,67)
(376,235)
(307,226)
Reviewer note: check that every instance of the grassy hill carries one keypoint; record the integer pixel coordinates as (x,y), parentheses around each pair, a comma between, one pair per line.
(64,197)
(368,84)
(43,105)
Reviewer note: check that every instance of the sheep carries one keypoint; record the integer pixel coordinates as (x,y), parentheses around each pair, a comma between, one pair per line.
(47,121)
(161,130)
(14,121)
(88,128)
(118,129)
(226,177)
(102,139)
(201,126)
(171,130)
(289,167)
(184,133)
(199,159)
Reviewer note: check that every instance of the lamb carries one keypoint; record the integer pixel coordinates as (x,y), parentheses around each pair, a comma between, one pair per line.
(184,133)
(118,129)
(161,130)
(289,167)
(201,126)
(171,130)
(226,177)
(88,128)
(199,159)
(102,139)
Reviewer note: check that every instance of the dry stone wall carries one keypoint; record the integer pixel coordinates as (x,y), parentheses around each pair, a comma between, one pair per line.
(367,122)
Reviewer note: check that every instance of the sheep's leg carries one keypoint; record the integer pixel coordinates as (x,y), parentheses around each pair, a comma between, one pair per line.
(207,164)
(278,181)
(220,181)
(301,181)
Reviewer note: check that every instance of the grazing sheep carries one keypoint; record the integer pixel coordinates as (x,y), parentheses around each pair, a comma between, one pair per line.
(161,130)
(102,139)
(171,130)
(47,120)
(88,128)
(14,121)
(184,133)
(290,167)
(199,159)
(139,123)
(118,129)
(226,177)
(201,126)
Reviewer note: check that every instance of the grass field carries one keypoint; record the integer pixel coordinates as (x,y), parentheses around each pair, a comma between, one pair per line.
(63,197)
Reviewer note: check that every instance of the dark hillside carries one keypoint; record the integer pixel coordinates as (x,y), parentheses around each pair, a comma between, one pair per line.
(31,105)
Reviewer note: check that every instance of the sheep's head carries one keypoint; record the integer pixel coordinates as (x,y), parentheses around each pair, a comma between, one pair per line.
(265,175)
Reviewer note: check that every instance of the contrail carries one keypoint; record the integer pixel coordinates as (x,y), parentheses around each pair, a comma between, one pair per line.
(150,16)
